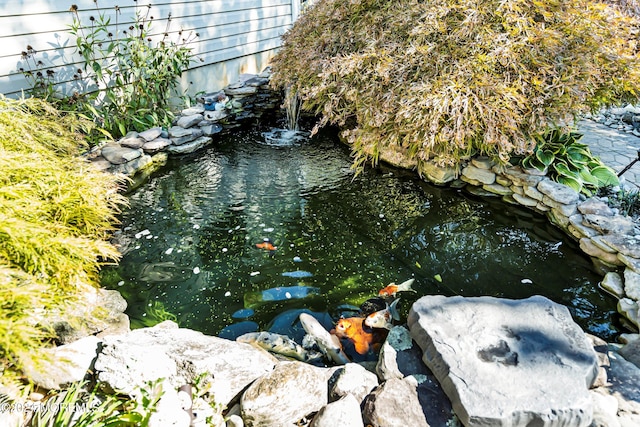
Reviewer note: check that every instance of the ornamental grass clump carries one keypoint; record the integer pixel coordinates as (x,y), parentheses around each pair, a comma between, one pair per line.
(56,212)
(446,80)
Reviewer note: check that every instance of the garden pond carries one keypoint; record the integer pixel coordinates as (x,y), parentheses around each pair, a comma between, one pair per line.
(193,240)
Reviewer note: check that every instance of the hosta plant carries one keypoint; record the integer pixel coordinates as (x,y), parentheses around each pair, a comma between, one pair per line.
(569,162)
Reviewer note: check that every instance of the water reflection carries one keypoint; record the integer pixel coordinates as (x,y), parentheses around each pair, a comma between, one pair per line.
(189,240)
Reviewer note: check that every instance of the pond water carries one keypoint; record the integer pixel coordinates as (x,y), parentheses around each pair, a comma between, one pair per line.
(189,240)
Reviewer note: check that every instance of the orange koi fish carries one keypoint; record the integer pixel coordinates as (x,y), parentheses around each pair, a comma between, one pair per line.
(362,337)
(267,245)
(393,289)
(383,318)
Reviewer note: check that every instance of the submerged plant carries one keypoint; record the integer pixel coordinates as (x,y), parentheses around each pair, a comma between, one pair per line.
(569,162)
(445,80)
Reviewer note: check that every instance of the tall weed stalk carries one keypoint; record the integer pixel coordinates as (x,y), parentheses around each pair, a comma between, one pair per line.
(134,71)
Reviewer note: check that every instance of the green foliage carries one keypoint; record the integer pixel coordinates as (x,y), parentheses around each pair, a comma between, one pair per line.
(55,215)
(445,80)
(569,162)
(129,73)
(135,74)
(625,200)
(79,407)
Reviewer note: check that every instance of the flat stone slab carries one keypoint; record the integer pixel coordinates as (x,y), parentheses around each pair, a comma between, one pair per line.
(118,155)
(190,147)
(507,362)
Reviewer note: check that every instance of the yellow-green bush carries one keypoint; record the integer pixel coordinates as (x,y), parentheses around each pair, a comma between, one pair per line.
(56,211)
(444,80)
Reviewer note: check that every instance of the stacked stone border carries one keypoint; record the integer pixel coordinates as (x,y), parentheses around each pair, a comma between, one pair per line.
(609,238)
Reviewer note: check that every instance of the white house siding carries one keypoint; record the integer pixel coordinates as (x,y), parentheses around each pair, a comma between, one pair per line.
(234,36)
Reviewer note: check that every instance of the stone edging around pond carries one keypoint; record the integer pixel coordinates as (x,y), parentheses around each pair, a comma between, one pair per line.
(537,367)
(612,240)
(140,153)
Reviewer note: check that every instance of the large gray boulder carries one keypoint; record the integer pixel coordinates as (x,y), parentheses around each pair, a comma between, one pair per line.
(128,362)
(64,364)
(352,379)
(507,362)
(395,403)
(344,412)
(286,395)
(401,357)
(624,386)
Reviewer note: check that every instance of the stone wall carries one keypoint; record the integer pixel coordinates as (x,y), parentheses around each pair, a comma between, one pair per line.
(610,239)
(138,154)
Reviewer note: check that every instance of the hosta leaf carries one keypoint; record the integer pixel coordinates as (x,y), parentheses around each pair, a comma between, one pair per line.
(546,157)
(570,182)
(564,170)
(605,175)
(588,178)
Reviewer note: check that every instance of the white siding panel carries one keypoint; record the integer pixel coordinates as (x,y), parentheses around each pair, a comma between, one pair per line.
(227,29)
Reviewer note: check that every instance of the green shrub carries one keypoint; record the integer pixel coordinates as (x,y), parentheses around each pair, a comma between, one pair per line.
(135,74)
(77,406)
(56,213)
(445,80)
(129,74)
(569,162)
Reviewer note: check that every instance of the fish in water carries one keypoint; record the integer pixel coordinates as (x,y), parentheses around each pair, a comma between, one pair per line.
(279,293)
(383,318)
(372,305)
(267,245)
(329,344)
(363,337)
(278,344)
(298,274)
(392,289)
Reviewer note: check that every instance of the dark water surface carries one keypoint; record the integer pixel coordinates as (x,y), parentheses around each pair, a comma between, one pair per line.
(189,240)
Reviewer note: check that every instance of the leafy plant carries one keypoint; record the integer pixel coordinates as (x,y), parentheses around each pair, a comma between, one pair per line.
(134,74)
(441,81)
(129,75)
(625,200)
(56,213)
(76,406)
(569,162)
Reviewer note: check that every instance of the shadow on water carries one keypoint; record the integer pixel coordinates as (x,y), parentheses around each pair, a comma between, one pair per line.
(189,239)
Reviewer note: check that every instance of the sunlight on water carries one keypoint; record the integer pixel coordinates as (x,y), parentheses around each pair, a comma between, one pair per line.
(250,232)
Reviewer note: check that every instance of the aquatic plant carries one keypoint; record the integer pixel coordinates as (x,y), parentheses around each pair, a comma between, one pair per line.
(569,162)
(56,213)
(446,80)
